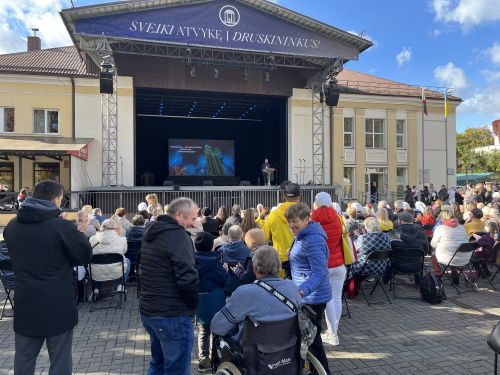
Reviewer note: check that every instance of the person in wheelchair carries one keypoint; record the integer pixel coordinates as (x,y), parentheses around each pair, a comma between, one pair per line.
(252,305)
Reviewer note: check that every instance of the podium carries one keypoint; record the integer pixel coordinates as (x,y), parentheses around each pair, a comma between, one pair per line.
(268,172)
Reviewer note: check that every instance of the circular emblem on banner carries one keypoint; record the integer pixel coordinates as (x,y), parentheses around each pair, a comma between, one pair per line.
(229,15)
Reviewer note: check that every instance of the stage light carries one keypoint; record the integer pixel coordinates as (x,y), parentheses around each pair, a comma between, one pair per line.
(216,73)
(332,94)
(268,77)
(193,71)
(321,97)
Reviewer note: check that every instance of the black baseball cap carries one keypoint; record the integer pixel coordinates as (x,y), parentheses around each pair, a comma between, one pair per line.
(292,190)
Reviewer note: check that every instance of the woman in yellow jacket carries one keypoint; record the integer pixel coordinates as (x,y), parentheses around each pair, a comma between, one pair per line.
(384,222)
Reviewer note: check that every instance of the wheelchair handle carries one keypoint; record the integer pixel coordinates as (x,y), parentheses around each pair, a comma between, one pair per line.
(253,321)
(309,311)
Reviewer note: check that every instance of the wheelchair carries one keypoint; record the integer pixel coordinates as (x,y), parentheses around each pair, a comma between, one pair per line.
(271,348)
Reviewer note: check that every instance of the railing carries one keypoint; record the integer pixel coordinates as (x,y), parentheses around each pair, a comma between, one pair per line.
(108,201)
(390,197)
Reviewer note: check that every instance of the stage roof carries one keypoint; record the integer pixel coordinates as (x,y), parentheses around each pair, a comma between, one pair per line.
(194,29)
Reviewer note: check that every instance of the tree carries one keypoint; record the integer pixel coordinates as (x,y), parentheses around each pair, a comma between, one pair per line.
(470,139)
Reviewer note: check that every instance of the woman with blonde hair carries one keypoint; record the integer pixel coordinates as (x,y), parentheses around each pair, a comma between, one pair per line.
(384,223)
(93,221)
(248,221)
(154,208)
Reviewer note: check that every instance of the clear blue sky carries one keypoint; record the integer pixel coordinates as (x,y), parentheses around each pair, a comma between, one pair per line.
(453,43)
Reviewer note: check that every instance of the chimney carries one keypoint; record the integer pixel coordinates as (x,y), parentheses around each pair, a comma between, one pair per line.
(34,42)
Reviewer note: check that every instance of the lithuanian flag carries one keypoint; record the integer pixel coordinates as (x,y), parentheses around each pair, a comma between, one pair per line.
(445,103)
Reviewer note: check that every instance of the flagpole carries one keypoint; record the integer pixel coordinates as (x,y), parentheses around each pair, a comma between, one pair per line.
(446,131)
(423,133)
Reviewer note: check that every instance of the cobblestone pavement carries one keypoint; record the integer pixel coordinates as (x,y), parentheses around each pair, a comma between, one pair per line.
(405,337)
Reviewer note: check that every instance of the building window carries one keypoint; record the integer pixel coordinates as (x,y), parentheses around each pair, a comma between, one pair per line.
(349,178)
(45,121)
(6,120)
(348,132)
(374,133)
(401,181)
(7,175)
(401,134)
(46,171)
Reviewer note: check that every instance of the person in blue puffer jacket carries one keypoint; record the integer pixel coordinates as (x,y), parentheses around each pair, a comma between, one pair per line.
(309,267)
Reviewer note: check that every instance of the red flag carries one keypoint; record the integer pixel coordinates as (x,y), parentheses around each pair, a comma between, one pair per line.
(424,102)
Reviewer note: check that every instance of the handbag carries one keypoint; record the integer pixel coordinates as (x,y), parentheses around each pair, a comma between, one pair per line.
(307,328)
(350,254)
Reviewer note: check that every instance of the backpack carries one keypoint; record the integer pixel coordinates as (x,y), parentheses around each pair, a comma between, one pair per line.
(432,289)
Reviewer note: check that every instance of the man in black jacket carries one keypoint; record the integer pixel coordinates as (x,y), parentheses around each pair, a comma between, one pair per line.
(169,288)
(44,248)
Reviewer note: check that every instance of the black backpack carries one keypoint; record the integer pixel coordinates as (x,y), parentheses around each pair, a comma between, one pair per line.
(432,289)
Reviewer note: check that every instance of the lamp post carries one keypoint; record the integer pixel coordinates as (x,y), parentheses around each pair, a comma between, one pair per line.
(466,166)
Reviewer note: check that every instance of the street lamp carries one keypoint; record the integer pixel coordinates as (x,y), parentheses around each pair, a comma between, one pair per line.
(467,167)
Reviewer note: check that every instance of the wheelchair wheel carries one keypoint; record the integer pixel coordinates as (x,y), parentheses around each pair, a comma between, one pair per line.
(228,368)
(312,366)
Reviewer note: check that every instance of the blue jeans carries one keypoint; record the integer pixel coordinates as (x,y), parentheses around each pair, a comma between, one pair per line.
(171,344)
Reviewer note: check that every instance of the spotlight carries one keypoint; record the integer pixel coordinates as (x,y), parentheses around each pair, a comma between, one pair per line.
(268,77)
(192,72)
(332,94)
(321,97)
(216,73)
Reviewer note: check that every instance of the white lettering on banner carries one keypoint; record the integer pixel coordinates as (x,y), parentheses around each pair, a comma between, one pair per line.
(227,36)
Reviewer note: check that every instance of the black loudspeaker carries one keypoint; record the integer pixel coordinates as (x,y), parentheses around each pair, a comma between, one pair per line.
(208,183)
(332,97)
(168,183)
(245,183)
(106,82)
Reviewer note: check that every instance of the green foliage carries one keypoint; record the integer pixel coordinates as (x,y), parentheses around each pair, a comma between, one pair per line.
(484,162)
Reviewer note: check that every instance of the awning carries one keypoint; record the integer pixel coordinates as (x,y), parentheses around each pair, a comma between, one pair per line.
(53,147)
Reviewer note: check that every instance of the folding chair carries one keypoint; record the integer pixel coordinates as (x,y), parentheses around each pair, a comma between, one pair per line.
(496,251)
(7,278)
(468,248)
(377,255)
(134,255)
(104,259)
(426,228)
(408,261)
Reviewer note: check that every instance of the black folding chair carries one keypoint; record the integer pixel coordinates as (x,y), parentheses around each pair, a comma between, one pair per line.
(377,255)
(408,261)
(426,228)
(7,278)
(496,264)
(464,270)
(107,259)
(134,255)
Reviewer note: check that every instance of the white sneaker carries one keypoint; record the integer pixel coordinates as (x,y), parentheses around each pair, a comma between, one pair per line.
(331,338)
(120,289)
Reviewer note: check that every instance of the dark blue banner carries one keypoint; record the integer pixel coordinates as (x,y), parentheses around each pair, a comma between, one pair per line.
(221,24)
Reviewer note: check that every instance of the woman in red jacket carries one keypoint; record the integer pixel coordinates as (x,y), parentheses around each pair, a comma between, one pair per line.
(330,222)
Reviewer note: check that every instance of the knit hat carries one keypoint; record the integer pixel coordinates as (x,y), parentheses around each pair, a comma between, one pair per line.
(323,199)
(292,190)
(406,206)
(204,241)
(406,217)
(142,207)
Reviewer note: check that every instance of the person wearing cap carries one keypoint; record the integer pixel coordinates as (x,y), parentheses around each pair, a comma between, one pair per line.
(276,226)
(209,224)
(329,219)
(409,235)
(212,278)
(223,238)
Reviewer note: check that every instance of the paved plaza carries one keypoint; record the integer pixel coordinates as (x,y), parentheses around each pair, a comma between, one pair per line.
(405,337)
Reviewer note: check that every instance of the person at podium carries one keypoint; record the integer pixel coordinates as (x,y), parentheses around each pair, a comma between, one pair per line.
(266,176)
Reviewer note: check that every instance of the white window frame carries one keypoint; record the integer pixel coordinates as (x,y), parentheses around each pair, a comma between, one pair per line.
(2,119)
(373,133)
(403,135)
(46,111)
(352,133)
(353,183)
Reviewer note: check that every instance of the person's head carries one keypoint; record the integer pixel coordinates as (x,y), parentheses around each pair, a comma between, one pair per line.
(145,214)
(446,215)
(248,220)
(254,238)
(152,199)
(260,207)
(405,218)
(428,211)
(184,211)
(143,206)
(120,212)
(323,199)
(204,242)
(236,210)
(298,217)
(97,212)
(112,225)
(374,184)
(23,191)
(383,216)
(352,212)
(476,213)
(371,225)
(420,206)
(381,204)
(225,228)
(292,192)
(456,207)
(266,161)
(399,205)
(235,233)
(222,213)
(408,188)
(266,262)
(82,217)
(49,190)
(492,228)
(206,212)
(438,203)
(138,221)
